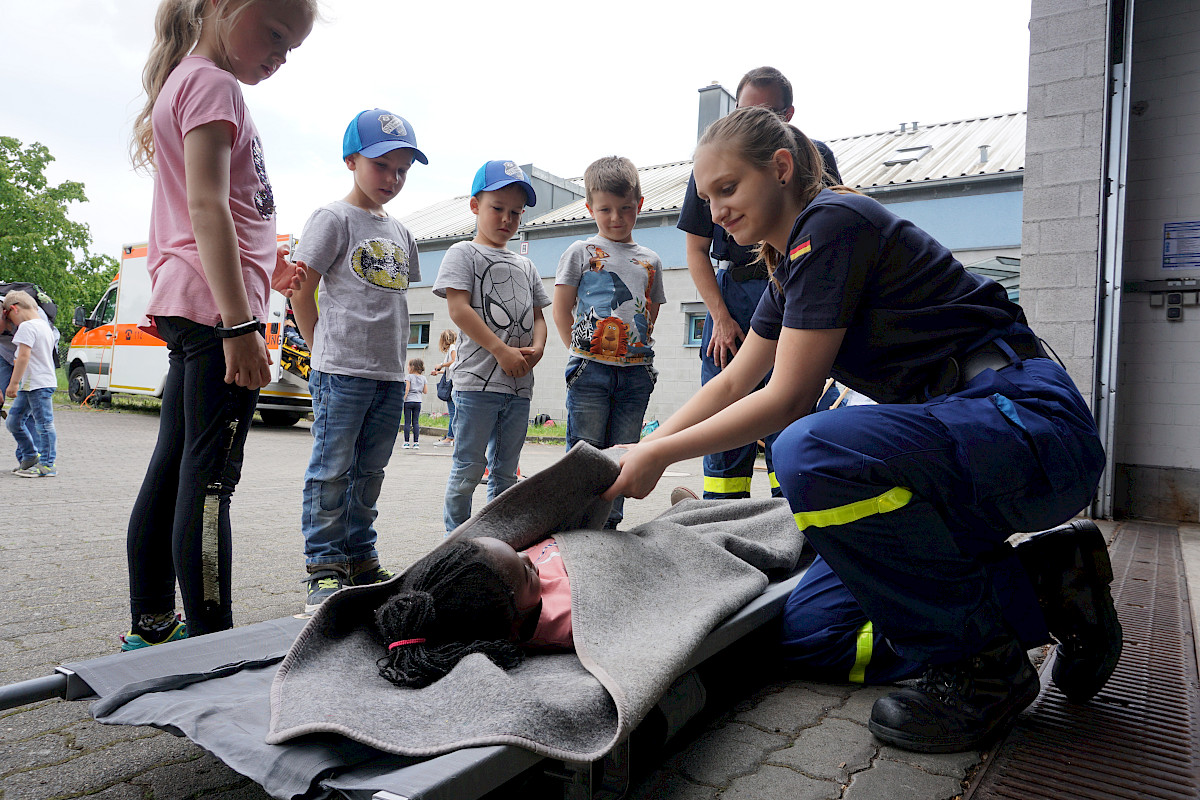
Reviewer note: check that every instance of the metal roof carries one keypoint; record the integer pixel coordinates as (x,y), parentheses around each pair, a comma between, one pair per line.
(944,151)
(950,150)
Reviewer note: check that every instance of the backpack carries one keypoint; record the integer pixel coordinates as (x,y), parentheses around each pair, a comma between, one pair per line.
(44,302)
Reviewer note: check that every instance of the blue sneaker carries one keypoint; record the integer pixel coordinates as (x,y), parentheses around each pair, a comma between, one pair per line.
(322,585)
(134,641)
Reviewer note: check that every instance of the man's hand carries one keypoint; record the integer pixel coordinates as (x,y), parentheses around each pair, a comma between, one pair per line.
(725,340)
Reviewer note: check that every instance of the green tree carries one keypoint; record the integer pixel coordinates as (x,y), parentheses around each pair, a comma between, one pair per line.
(39,243)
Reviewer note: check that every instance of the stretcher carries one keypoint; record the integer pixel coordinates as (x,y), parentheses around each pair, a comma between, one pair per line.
(243,660)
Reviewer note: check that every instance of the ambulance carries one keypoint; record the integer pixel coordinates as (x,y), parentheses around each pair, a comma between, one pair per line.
(110,355)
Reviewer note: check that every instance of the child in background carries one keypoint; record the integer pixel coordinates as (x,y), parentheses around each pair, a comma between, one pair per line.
(447,343)
(210,258)
(417,385)
(607,293)
(474,596)
(495,297)
(364,261)
(32,385)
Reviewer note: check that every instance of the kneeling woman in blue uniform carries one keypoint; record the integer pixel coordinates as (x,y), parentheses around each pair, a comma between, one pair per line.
(977,434)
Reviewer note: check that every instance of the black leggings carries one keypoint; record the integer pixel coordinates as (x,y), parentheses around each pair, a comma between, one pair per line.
(412,420)
(180,523)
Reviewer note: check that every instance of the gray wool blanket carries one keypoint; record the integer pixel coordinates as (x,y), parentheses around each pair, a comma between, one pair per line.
(641,601)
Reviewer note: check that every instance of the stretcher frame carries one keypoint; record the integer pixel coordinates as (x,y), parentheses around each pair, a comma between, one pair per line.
(460,775)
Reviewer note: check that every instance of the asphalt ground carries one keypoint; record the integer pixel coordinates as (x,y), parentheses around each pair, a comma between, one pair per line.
(63,598)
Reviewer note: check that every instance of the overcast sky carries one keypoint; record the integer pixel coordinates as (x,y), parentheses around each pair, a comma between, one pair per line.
(556,84)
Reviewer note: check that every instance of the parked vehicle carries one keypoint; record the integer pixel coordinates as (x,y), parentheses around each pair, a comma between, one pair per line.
(111,355)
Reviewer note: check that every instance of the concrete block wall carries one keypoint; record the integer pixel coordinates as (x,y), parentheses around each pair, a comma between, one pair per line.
(1059,250)
(1158,411)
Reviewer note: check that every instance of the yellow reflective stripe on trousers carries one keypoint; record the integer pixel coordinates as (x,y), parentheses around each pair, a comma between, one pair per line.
(890,500)
(726,485)
(862,653)
(774,481)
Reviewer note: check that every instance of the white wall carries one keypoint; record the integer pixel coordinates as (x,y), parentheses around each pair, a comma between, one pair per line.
(1158,416)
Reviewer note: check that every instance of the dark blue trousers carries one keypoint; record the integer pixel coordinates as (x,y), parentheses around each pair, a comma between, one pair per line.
(911,505)
(727,475)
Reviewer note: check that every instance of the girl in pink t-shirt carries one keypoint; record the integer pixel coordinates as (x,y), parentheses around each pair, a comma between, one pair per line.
(474,596)
(210,256)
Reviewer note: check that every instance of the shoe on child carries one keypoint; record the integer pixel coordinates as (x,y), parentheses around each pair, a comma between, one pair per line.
(173,633)
(322,584)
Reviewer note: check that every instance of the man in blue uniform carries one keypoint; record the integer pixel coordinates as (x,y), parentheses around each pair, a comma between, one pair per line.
(733,291)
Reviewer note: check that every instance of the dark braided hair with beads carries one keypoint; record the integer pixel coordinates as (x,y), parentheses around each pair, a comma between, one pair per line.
(454,600)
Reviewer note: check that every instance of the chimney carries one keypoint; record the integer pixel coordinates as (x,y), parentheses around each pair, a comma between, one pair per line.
(983,153)
(903,126)
(715,103)
(914,126)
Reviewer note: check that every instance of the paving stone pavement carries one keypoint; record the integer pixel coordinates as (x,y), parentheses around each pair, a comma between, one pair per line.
(64,598)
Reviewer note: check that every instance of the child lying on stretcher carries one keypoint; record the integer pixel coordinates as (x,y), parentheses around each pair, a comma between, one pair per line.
(474,596)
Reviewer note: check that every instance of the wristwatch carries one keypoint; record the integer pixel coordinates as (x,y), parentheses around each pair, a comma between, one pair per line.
(250,326)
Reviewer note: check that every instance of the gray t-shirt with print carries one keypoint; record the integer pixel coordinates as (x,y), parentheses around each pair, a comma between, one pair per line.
(366,265)
(505,289)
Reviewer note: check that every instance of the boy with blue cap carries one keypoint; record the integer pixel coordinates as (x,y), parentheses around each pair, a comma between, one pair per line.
(495,297)
(364,261)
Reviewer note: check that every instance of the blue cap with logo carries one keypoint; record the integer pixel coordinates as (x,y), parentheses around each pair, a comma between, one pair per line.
(497,174)
(376,132)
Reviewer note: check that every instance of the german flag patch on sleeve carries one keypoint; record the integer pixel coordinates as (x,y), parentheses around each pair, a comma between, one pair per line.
(802,247)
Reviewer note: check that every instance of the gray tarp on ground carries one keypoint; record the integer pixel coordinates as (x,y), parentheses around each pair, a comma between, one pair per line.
(642,601)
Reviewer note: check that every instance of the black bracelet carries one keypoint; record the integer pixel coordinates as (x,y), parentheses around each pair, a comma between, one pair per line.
(252,326)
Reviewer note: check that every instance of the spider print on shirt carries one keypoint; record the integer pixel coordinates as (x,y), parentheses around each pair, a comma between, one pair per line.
(506,305)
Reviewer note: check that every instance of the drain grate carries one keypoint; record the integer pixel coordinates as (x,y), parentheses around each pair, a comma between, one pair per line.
(1140,737)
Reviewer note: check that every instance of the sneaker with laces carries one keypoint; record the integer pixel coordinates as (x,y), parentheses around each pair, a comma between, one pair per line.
(407,446)
(26,464)
(416,446)
(47,471)
(375,574)
(29,472)
(322,584)
(136,641)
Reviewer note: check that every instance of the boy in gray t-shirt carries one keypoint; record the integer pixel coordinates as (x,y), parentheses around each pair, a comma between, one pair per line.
(364,261)
(495,297)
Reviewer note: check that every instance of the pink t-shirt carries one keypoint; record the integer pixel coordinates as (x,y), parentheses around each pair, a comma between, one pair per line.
(198,92)
(554,624)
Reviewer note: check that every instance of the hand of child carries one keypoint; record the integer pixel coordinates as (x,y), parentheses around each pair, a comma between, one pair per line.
(532,355)
(247,362)
(513,362)
(288,275)
(11,391)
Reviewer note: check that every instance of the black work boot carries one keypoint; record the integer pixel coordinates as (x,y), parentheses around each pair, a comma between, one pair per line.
(1071,573)
(959,706)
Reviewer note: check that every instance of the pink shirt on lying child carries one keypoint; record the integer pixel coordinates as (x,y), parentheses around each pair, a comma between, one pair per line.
(196,93)
(554,622)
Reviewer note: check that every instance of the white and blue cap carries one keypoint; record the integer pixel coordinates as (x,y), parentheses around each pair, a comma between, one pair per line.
(497,174)
(376,132)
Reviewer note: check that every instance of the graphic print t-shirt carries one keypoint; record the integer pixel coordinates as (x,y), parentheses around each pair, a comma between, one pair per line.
(505,289)
(615,284)
(366,264)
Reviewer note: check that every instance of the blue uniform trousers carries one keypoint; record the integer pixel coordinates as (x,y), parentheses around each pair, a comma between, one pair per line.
(727,475)
(911,505)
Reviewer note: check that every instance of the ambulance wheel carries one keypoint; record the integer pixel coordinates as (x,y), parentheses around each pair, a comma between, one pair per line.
(78,387)
(273,418)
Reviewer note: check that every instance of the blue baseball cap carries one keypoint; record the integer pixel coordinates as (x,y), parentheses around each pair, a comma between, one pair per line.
(497,174)
(376,132)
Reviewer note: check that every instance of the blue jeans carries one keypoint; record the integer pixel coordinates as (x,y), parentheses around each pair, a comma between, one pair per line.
(355,422)
(491,429)
(450,424)
(34,410)
(6,371)
(606,405)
